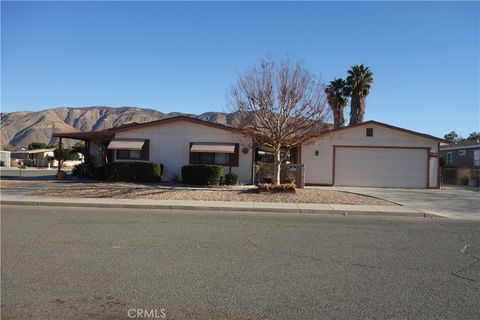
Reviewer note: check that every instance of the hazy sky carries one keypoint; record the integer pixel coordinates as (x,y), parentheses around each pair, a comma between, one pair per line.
(185,56)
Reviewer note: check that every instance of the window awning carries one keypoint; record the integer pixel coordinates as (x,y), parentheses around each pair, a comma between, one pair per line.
(126,144)
(213,148)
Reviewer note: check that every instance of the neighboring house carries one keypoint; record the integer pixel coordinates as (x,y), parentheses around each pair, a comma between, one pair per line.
(34,158)
(465,154)
(5,158)
(368,154)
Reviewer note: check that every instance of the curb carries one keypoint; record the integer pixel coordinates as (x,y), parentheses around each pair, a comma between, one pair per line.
(417,214)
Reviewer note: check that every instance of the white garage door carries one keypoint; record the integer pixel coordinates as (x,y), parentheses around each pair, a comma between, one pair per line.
(376,167)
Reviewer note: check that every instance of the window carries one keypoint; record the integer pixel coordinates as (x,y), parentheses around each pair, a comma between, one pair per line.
(462,152)
(214,158)
(449,158)
(476,158)
(369,132)
(128,154)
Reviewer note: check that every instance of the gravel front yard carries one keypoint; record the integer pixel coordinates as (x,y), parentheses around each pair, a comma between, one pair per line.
(8,184)
(161,192)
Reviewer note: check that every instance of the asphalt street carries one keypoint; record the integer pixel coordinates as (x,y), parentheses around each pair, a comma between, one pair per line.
(87,263)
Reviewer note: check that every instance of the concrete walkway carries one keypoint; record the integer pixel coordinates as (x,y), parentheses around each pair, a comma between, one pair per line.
(28,173)
(451,202)
(296,208)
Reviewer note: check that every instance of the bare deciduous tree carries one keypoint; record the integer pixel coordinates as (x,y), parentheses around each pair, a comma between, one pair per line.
(280,106)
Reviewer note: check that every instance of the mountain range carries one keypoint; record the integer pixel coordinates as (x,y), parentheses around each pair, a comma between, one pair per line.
(18,129)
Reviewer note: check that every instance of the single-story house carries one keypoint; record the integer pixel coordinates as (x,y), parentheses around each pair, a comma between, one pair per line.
(173,142)
(464,154)
(34,158)
(368,154)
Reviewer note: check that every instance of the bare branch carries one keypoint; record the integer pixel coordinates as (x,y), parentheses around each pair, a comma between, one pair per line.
(280,105)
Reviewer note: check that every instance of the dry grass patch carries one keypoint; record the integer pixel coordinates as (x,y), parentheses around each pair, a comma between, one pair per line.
(244,194)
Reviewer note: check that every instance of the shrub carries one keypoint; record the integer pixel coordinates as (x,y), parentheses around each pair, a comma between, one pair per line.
(77,170)
(449,175)
(231,179)
(132,171)
(283,187)
(269,180)
(202,174)
(464,180)
(96,173)
(475,177)
(2,163)
(88,170)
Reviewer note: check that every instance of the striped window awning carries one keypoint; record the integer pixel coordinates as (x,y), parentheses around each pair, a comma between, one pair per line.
(126,144)
(213,147)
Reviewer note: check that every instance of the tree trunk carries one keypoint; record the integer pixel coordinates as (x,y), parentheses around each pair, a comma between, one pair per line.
(277,164)
(355,109)
(361,109)
(338,118)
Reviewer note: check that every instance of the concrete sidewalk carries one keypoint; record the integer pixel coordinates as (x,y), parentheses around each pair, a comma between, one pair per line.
(295,208)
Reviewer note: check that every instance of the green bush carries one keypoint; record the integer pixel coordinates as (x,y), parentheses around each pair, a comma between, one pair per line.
(88,170)
(231,179)
(96,173)
(77,170)
(132,171)
(202,174)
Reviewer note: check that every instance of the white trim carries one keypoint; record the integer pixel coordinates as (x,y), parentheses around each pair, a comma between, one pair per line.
(473,146)
(449,158)
(476,154)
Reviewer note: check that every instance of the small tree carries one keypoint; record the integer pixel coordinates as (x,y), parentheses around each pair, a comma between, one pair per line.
(474,136)
(79,147)
(36,145)
(453,137)
(64,154)
(279,106)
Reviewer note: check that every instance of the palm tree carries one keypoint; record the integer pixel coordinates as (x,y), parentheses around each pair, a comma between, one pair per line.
(359,81)
(337,97)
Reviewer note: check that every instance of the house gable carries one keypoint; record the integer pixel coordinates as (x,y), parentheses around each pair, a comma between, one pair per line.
(387,131)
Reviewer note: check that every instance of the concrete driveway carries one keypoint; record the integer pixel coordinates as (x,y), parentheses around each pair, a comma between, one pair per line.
(451,202)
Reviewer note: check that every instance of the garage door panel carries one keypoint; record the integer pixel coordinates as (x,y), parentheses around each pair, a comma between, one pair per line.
(382,174)
(409,165)
(381,167)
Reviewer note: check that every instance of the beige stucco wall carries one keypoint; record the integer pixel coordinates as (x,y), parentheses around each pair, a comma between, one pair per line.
(170,144)
(318,169)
